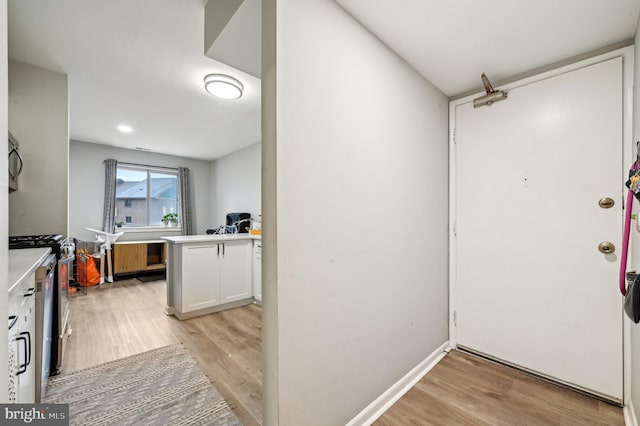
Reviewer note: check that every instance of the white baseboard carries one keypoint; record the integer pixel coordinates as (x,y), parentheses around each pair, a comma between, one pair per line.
(629,414)
(389,397)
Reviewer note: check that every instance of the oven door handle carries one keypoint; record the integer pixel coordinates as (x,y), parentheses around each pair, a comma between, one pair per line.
(50,263)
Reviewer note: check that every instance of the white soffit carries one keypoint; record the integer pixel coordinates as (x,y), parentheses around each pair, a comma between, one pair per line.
(140,63)
(452,42)
(239,44)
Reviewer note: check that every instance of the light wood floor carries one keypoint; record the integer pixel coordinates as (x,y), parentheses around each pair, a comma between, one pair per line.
(466,390)
(121,319)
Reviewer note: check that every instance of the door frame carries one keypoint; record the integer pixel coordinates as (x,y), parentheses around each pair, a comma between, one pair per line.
(626,53)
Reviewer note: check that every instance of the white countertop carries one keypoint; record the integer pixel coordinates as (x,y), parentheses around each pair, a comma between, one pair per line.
(209,238)
(23,262)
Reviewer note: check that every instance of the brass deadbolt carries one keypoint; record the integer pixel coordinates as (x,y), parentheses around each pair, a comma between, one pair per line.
(606,203)
(606,247)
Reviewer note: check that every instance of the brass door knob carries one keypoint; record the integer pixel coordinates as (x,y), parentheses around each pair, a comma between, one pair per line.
(606,203)
(606,247)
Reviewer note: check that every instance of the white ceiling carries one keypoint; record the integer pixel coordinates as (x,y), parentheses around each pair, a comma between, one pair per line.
(452,42)
(141,62)
(138,62)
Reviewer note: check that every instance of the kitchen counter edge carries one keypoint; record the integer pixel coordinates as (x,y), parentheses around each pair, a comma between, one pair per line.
(23,262)
(210,238)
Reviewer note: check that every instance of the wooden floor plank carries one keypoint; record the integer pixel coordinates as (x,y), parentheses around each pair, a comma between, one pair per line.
(116,320)
(236,340)
(463,389)
(421,408)
(242,392)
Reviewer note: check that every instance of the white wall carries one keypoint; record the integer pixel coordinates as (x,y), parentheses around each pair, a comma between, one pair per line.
(270,373)
(361,203)
(4,210)
(39,119)
(635,238)
(235,184)
(86,176)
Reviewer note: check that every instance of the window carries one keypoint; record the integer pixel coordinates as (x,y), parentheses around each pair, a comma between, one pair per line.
(147,193)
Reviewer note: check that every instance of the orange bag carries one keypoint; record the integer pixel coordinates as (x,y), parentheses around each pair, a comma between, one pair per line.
(86,269)
(93,275)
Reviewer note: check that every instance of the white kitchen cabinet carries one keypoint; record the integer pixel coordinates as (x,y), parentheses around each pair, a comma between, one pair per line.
(200,277)
(26,381)
(22,334)
(257,270)
(206,276)
(235,270)
(21,307)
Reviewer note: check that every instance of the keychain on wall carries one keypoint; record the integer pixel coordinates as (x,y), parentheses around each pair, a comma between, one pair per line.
(633,183)
(632,291)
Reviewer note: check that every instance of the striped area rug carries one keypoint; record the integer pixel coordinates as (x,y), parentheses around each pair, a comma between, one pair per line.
(163,386)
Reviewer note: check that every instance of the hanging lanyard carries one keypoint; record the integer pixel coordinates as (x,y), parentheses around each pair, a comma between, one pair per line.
(625,244)
(634,177)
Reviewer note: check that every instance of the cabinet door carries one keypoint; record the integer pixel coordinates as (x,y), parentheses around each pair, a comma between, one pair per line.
(14,360)
(129,258)
(26,392)
(257,270)
(200,276)
(236,274)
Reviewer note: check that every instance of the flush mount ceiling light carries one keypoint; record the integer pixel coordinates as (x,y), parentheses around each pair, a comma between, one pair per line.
(124,128)
(223,86)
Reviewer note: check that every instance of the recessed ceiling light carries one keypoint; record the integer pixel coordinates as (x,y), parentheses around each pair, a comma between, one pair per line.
(223,86)
(125,129)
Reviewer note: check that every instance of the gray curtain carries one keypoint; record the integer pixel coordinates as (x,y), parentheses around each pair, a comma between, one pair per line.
(184,200)
(109,213)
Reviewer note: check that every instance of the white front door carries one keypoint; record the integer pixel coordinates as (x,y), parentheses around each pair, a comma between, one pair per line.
(532,289)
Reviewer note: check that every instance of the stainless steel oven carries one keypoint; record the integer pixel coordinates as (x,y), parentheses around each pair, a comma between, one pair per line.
(64,252)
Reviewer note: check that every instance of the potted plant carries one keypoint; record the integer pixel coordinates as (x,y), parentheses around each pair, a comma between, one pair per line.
(119,224)
(170,219)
